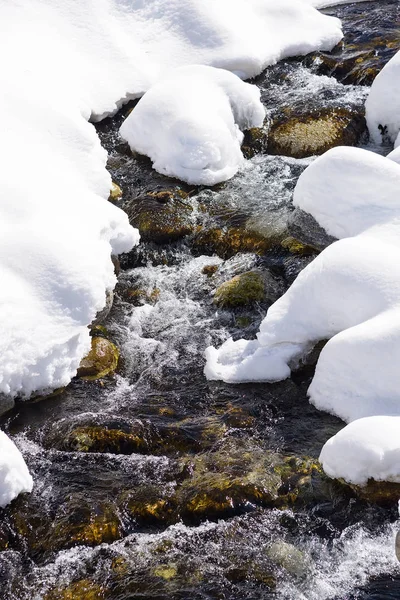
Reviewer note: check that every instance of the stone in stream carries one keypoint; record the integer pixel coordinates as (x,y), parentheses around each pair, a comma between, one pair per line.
(228,241)
(299,136)
(304,228)
(293,560)
(101,361)
(161,216)
(242,290)
(85,589)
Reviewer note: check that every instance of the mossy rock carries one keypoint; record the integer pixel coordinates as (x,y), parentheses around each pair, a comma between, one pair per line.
(115,192)
(166,572)
(79,590)
(228,241)
(187,435)
(161,217)
(254,141)
(295,246)
(103,439)
(147,504)
(242,290)
(224,482)
(84,523)
(314,134)
(383,493)
(101,361)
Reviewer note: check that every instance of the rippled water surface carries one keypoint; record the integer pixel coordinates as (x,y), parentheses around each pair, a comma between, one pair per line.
(157,484)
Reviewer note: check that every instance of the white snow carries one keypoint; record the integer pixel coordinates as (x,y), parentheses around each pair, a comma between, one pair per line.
(14,474)
(66,61)
(367,448)
(190,124)
(382,108)
(349,295)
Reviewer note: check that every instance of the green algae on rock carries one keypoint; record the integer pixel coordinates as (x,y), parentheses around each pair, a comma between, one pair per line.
(79,590)
(101,361)
(115,192)
(161,216)
(242,290)
(315,133)
(228,241)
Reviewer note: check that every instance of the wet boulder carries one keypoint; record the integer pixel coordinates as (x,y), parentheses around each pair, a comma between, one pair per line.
(242,290)
(85,589)
(305,229)
(299,136)
(101,361)
(228,241)
(162,216)
(290,558)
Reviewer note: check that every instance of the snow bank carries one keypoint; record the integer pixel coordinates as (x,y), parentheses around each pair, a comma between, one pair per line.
(349,295)
(190,124)
(68,61)
(367,448)
(382,108)
(14,474)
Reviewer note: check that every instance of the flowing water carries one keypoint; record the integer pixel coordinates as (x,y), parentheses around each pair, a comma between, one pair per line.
(156,483)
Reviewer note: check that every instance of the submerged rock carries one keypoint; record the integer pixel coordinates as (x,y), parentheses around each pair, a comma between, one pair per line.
(101,361)
(161,216)
(228,241)
(293,560)
(383,493)
(240,291)
(79,590)
(255,141)
(311,134)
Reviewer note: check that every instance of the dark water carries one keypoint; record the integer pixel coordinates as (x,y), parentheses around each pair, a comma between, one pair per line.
(157,484)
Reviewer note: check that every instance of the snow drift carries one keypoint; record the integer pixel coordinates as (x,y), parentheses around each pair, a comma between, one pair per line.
(14,474)
(68,61)
(190,124)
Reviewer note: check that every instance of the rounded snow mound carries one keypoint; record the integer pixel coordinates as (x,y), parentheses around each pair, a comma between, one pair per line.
(367,448)
(14,475)
(190,123)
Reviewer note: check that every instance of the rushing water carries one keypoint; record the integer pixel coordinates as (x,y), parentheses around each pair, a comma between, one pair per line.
(178,500)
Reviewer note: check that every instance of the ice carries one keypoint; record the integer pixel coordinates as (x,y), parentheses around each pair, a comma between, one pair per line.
(190,124)
(14,474)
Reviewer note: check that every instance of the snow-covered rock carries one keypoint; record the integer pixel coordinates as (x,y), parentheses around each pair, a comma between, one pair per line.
(66,61)
(190,124)
(349,295)
(14,474)
(367,448)
(382,108)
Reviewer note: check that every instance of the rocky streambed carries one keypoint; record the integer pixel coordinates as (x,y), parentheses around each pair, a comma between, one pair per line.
(151,482)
